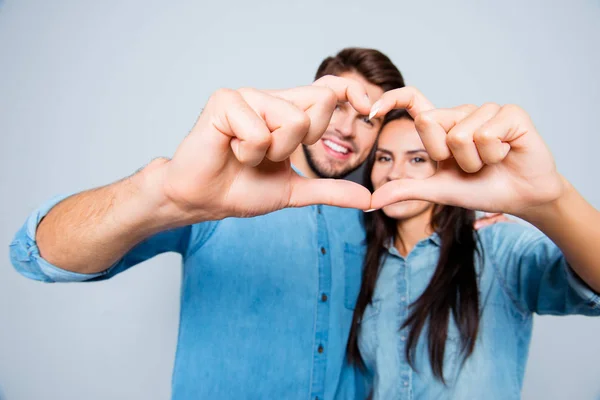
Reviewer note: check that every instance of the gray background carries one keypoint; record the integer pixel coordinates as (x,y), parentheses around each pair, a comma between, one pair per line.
(92,90)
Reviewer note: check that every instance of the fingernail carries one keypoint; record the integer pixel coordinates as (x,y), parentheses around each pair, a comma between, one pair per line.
(505,149)
(370,210)
(374,109)
(235,146)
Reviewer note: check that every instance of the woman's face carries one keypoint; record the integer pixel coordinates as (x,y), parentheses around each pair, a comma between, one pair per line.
(400,154)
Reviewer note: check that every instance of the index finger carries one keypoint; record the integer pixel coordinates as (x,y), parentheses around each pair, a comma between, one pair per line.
(317,102)
(342,89)
(408,98)
(347,90)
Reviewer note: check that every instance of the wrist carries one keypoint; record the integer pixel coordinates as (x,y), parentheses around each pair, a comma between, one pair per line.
(552,211)
(155,209)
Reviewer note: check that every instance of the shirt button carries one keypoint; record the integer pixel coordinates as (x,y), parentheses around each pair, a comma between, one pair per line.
(323,297)
(405,383)
(320,349)
(323,251)
(403,338)
(403,298)
(319,211)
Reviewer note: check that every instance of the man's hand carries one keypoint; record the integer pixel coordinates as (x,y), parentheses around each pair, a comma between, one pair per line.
(235,161)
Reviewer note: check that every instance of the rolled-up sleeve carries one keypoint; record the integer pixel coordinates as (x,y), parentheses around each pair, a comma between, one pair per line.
(583,290)
(25,254)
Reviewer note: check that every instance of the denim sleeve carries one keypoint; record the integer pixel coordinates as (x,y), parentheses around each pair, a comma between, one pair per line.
(536,274)
(25,255)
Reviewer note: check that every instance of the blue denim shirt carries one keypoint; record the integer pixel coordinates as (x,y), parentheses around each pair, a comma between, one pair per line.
(522,272)
(266,302)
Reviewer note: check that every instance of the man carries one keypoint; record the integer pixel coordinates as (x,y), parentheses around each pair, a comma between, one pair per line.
(266,301)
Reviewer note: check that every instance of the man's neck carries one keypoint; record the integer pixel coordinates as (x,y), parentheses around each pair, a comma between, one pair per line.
(298,159)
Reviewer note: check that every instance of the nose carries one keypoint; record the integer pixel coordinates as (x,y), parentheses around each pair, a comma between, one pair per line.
(396,172)
(344,124)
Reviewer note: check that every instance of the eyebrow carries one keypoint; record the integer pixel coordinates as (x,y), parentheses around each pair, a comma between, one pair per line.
(381,149)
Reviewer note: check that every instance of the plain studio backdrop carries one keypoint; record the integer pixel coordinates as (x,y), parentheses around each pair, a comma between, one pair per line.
(90,91)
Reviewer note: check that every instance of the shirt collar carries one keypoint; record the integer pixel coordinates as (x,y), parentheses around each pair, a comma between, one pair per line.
(434,238)
(296,170)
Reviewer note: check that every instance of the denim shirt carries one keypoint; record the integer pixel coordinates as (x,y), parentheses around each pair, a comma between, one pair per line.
(521,272)
(266,302)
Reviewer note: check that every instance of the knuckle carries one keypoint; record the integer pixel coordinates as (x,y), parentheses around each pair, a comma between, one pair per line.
(300,120)
(466,109)
(490,106)
(326,78)
(329,97)
(513,109)
(223,94)
(459,138)
(484,136)
(245,91)
(262,140)
(425,119)
(412,89)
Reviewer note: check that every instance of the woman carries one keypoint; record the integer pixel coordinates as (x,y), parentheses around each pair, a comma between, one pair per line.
(445,312)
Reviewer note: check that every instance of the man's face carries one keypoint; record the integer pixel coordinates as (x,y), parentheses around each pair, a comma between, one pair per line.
(348,139)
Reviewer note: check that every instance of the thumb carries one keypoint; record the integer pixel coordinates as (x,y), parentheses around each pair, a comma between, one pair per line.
(332,192)
(434,190)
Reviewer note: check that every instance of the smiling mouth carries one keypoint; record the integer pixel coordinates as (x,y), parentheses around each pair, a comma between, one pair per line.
(336,149)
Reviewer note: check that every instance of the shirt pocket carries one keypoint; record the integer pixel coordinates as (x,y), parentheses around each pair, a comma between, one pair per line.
(354,256)
(371,312)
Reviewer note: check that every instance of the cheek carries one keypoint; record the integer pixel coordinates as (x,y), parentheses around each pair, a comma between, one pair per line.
(364,143)
(430,170)
(315,149)
(377,177)
(422,171)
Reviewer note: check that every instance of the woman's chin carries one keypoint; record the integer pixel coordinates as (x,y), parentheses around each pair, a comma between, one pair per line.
(405,209)
(400,210)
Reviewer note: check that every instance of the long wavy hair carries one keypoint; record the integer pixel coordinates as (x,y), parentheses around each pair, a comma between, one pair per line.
(453,287)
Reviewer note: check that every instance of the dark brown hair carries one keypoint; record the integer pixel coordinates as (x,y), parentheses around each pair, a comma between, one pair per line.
(453,287)
(372,64)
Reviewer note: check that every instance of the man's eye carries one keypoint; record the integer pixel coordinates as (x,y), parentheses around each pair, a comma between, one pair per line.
(367,121)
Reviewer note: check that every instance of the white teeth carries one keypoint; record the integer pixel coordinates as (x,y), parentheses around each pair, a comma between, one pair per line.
(335,147)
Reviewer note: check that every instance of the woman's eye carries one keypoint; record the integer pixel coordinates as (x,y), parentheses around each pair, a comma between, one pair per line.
(418,160)
(384,159)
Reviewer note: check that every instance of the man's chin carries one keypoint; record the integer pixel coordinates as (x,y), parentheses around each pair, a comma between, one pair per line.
(323,167)
(334,173)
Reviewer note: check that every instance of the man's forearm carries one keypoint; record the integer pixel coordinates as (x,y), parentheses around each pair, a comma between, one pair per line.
(90,231)
(574,225)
